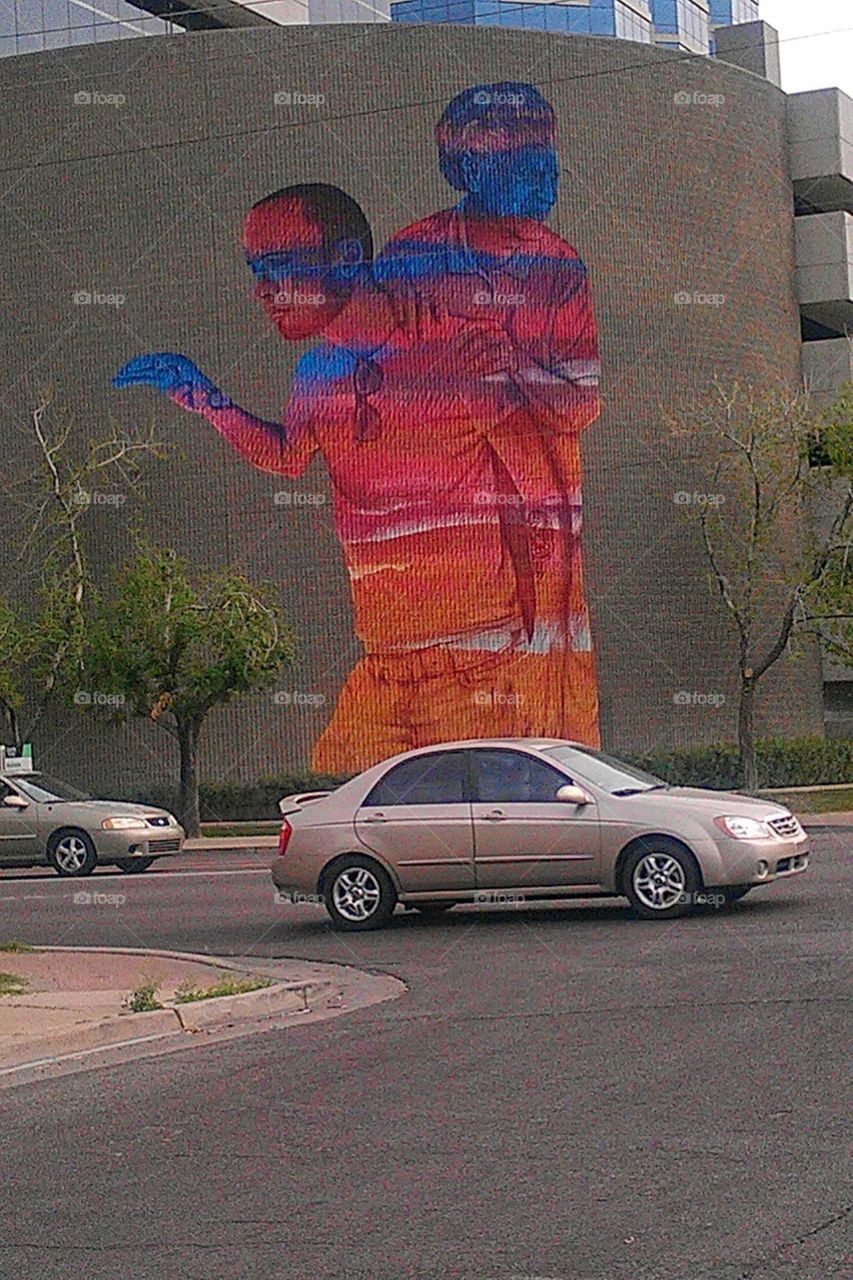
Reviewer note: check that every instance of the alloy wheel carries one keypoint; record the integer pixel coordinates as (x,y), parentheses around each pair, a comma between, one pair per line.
(356,894)
(659,881)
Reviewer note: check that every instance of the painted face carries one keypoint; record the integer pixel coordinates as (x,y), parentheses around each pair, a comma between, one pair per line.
(520,183)
(301,285)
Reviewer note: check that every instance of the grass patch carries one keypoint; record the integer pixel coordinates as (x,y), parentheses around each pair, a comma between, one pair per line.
(12,985)
(143,999)
(836,800)
(187,992)
(17,948)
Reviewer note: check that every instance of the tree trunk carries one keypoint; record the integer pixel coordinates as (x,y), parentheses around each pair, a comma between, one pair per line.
(12,729)
(188,734)
(747,766)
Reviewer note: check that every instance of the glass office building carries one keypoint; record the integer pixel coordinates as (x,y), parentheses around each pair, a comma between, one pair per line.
(686,25)
(28,26)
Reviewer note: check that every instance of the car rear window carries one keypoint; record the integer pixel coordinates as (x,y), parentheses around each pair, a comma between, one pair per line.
(431,779)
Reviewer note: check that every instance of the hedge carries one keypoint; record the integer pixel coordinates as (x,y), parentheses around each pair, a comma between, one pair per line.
(782,762)
(798,762)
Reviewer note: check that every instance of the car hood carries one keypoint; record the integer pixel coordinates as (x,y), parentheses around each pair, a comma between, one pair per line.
(107,808)
(702,800)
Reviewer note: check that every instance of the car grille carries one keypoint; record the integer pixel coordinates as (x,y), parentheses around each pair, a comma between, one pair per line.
(787,826)
(164,846)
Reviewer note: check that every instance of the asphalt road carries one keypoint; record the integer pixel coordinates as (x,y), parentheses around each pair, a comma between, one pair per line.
(564,1093)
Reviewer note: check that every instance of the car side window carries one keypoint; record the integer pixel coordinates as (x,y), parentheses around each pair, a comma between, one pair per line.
(433,779)
(513,777)
(4,791)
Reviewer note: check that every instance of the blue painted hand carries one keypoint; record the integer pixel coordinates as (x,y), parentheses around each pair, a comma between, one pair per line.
(176,376)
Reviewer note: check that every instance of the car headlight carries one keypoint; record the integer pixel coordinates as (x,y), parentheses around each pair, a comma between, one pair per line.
(743,828)
(123,824)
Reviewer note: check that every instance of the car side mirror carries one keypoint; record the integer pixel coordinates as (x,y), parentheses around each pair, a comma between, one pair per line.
(571,793)
(15,802)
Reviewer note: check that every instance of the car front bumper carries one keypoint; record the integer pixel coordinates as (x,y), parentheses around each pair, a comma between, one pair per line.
(157,842)
(757,862)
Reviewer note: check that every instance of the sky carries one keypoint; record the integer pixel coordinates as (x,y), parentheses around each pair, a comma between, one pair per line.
(816,61)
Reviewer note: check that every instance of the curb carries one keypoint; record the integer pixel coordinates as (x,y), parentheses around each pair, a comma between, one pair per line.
(173,1020)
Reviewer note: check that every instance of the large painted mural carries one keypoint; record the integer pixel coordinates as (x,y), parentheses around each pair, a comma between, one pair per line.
(450,377)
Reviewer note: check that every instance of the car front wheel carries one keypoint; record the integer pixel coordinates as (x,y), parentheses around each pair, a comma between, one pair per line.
(71,853)
(661,880)
(358,894)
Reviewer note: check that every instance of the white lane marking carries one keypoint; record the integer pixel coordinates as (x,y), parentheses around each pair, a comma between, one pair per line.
(172,875)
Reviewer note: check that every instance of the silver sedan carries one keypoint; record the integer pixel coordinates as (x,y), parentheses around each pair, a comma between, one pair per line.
(502,821)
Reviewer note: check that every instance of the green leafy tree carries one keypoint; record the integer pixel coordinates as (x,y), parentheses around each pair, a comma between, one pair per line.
(14,651)
(754,451)
(176,645)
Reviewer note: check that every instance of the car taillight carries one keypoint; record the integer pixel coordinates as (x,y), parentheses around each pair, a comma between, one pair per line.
(284,835)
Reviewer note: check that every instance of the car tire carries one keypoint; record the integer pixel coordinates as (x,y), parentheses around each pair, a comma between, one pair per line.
(72,853)
(433,908)
(661,879)
(132,866)
(358,894)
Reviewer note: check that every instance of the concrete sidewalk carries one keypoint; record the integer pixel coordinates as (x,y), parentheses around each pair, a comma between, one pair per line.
(75,1000)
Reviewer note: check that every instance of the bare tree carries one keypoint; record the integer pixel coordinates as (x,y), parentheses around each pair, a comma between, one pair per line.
(763,544)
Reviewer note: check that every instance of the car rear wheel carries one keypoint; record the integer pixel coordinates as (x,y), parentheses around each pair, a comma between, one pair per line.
(71,853)
(358,894)
(133,865)
(661,880)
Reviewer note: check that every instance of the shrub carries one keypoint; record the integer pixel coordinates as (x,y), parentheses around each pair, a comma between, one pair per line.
(239,801)
(782,762)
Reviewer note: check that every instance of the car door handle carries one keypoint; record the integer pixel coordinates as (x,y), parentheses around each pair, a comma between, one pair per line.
(497,815)
(376,817)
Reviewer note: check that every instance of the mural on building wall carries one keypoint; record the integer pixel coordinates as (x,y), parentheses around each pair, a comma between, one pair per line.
(452,376)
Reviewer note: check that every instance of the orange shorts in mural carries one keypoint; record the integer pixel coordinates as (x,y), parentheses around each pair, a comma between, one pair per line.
(393,703)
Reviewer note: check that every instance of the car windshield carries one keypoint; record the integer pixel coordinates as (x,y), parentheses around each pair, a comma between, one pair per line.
(44,789)
(604,771)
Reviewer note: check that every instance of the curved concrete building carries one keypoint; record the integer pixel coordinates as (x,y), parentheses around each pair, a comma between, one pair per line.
(129,169)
